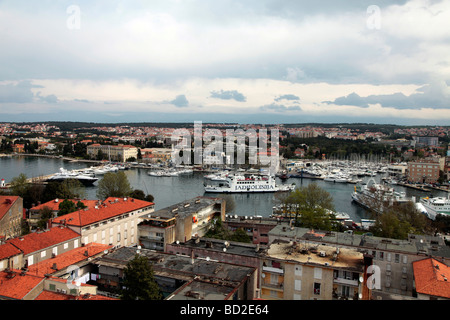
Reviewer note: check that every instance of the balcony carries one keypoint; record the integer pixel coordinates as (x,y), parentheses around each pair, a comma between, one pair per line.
(346,282)
(274,286)
(273,270)
(152,238)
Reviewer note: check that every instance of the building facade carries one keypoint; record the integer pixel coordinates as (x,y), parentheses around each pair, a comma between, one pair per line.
(120,153)
(11,213)
(308,271)
(424,171)
(113,221)
(180,222)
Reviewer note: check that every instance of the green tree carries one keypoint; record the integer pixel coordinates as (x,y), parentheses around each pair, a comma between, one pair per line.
(45,213)
(398,220)
(218,231)
(114,185)
(68,189)
(311,206)
(68,206)
(139,281)
(19,185)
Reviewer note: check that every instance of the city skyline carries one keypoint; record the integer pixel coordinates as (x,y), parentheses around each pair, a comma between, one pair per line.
(226,61)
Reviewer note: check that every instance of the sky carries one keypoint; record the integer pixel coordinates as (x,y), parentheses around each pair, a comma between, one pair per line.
(246,61)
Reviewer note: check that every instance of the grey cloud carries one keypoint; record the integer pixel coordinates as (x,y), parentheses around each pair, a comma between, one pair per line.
(428,96)
(49,99)
(287,97)
(180,101)
(278,108)
(17,93)
(227,95)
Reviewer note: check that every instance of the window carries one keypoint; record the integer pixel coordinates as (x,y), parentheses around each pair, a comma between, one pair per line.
(43,254)
(273,279)
(388,257)
(405,259)
(381,255)
(317,288)
(317,273)
(397,258)
(298,270)
(298,285)
(52,287)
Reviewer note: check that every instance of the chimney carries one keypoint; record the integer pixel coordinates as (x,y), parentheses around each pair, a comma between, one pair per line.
(192,256)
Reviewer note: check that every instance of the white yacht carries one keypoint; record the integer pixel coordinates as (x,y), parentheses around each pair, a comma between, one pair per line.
(63,175)
(246,183)
(435,206)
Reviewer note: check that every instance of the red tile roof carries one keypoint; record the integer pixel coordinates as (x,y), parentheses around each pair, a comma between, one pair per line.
(54,204)
(111,207)
(7,250)
(6,203)
(66,259)
(432,277)
(50,295)
(36,241)
(16,286)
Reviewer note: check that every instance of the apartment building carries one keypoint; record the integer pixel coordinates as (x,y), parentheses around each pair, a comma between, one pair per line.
(257,228)
(179,222)
(308,271)
(120,153)
(183,277)
(11,213)
(392,257)
(431,279)
(49,279)
(113,221)
(24,251)
(424,171)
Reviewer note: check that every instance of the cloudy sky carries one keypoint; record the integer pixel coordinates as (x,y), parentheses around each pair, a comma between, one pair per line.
(248,61)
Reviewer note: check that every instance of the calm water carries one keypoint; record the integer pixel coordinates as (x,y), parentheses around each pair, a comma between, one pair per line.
(171,190)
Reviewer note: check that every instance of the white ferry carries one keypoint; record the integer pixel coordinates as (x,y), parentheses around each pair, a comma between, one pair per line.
(246,183)
(376,196)
(435,206)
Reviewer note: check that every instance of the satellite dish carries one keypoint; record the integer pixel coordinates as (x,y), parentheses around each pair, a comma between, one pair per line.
(208,258)
(178,242)
(224,249)
(139,247)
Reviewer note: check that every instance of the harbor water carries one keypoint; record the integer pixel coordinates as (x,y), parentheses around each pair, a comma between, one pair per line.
(171,190)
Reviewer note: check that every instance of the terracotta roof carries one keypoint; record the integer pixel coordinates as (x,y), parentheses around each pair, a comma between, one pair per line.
(111,207)
(432,277)
(15,285)
(5,204)
(66,259)
(7,250)
(36,241)
(54,204)
(50,295)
